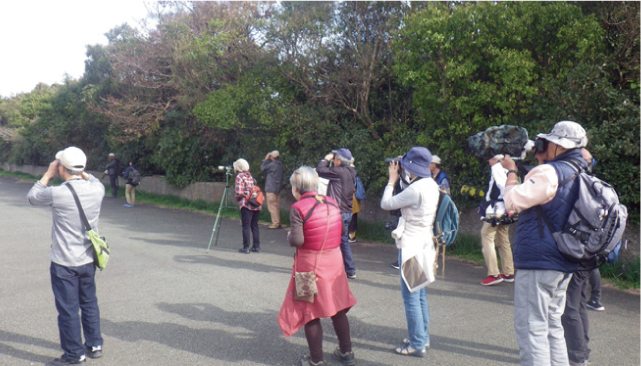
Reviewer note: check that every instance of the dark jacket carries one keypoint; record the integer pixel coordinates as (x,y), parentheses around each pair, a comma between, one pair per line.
(113,167)
(341,184)
(534,245)
(274,171)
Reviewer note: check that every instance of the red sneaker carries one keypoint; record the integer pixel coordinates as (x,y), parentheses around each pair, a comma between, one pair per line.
(492,280)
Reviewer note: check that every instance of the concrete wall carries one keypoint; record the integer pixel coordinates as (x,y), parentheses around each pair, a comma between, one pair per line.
(213,191)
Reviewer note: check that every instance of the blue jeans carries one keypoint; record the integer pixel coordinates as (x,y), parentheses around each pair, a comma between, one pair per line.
(74,289)
(348,258)
(416,312)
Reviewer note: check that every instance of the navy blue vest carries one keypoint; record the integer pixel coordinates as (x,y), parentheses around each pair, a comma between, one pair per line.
(534,245)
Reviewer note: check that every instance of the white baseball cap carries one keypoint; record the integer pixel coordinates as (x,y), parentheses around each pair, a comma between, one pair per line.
(436,159)
(72,158)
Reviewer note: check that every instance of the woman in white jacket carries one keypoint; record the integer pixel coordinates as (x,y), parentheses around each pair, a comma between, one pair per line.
(417,201)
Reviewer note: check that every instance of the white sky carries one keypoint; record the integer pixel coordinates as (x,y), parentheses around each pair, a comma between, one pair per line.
(41,40)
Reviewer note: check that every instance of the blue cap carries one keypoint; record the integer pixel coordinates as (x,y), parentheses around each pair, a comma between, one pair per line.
(344,153)
(417,161)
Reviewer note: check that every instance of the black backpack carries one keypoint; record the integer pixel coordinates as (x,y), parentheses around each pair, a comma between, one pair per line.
(134,177)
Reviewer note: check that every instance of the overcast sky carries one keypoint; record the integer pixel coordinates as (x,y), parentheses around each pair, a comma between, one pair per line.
(42,40)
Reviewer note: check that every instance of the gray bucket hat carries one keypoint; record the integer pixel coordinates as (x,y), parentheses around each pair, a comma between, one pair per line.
(567,134)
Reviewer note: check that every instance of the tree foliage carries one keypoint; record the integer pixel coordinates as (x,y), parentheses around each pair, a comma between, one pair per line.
(208,82)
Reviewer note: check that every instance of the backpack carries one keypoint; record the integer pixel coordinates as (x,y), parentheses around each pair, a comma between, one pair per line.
(359,190)
(256,197)
(134,177)
(446,220)
(596,223)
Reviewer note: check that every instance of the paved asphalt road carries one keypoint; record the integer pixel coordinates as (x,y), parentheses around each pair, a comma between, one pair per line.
(165,300)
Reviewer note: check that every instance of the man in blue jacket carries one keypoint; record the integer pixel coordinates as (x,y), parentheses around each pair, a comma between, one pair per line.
(543,273)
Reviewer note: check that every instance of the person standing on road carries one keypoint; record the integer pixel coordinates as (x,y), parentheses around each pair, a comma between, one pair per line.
(413,235)
(543,272)
(72,254)
(132,175)
(341,188)
(316,228)
(113,170)
(439,175)
(496,234)
(272,166)
(248,213)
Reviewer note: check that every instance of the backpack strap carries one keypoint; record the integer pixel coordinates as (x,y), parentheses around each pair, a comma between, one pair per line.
(319,200)
(83,218)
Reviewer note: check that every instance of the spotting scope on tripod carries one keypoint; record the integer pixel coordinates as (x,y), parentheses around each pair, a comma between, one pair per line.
(225,202)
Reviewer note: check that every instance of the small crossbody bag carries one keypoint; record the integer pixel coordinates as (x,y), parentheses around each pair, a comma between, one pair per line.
(100,246)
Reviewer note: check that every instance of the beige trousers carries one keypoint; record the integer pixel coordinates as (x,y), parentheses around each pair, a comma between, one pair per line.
(273,205)
(130,194)
(497,237)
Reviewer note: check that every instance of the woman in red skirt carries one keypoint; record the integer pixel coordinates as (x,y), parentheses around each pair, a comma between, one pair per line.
(316,228)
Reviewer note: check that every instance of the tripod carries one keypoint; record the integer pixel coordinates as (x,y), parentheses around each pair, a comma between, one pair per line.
(223,204)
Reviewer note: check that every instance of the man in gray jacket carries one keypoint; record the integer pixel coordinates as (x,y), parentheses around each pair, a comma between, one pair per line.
(72,255)
(274,170)
(342,178)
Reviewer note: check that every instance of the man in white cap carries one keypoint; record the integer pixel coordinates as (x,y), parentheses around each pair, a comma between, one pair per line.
(495,234)
(114,169)
(439,175)
(272,166)
(72,254)
(543,272)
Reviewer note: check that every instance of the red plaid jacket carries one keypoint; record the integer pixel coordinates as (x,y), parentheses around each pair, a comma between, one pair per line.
(244,184)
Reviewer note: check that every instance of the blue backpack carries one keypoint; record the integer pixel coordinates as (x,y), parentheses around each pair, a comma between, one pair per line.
(359,191)
(446,220)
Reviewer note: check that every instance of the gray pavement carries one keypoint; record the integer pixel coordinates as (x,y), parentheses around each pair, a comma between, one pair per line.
(165,300)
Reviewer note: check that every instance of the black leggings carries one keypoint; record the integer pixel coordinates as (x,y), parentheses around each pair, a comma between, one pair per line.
(314,335)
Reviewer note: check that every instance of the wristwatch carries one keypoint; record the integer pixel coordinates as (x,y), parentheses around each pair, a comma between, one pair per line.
(512,171)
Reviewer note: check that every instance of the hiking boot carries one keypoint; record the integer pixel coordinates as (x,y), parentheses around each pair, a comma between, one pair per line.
(63,361)
(492,280)
(244,250)
(94,352)
(594,305)
(255,250)
(407,350)
(345,358)
(508,278)
(395,265)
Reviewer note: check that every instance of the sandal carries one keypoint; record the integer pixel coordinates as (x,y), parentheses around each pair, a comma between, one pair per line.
(407,341)
(407,350)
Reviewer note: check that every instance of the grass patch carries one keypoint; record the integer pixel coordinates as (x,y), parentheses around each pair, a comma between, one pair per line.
(467,246)
(622,273)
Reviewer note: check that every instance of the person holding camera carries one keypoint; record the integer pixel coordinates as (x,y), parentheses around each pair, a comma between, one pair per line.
(342,178)
(316,229)
(541,282)
(72,267)
(114,169)
(272,166)
(496,234)
(248,212)
(418,204)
